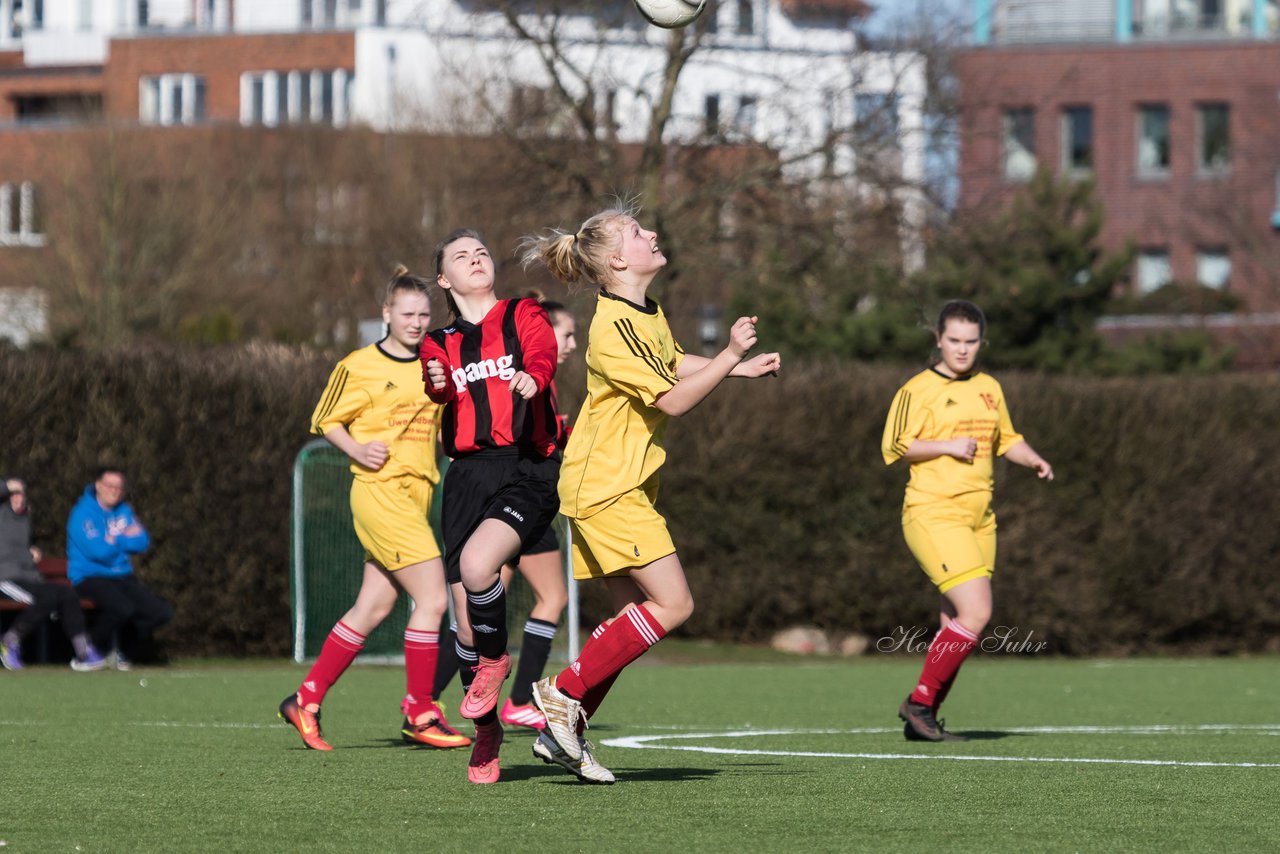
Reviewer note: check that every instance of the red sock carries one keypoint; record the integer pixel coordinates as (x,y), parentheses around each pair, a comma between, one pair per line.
(421,649)
(627,638)
(340,649)
(950,647)
(595,696)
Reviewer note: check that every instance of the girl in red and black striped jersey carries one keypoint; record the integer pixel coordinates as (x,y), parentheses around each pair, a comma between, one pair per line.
(540,564)
(492,369)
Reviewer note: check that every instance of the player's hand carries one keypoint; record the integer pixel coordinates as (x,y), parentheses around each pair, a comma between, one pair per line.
(134,530)
(523,385)
(762,365)
(373,456)
(435,374)
(742,337)
(964,449)
(1043,470)
(36,554)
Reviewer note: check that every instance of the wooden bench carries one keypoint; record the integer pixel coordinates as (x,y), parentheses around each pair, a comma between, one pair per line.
(54,571)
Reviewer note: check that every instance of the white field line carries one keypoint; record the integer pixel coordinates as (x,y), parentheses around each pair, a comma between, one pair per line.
(684,731)
(657,742)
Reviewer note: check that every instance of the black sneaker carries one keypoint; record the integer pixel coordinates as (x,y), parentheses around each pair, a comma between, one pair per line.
(921,725)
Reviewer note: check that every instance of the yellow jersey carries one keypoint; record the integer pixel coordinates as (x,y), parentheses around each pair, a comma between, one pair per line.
(616,443)
(931,407)
(380,397)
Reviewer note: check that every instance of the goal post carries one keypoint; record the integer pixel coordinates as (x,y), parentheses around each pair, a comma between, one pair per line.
(326,562)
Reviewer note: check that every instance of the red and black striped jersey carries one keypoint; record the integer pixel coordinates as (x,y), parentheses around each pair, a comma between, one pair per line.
(480,359)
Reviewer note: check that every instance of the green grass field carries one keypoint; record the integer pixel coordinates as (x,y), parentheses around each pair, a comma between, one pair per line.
(714,751)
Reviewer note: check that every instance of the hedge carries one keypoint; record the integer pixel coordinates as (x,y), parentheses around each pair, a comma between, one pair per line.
(1155,536)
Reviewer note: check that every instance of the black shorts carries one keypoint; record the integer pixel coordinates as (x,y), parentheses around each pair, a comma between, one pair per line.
(548,542)
(516,487)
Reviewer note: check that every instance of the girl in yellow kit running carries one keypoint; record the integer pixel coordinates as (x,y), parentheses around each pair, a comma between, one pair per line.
(950,422)
(374,410)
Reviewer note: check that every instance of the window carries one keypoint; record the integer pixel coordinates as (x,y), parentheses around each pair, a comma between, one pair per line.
(711,115)
(20,223)
(1213,138)
(84,20)
(326,97)
(1019,144)
(1077,140)
(257,100)
(607,120)
(277,97)
(1154,270)
(745,120)
(1153,140)
(1213,267)
(746,18)
(171,99)
(144,14)
(877,116)
(301,112)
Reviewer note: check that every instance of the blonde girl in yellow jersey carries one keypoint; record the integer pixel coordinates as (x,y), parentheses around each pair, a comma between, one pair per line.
(637,376)
(375,410)
(949,423)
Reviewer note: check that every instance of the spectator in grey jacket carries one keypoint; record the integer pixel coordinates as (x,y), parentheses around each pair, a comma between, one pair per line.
(21,581)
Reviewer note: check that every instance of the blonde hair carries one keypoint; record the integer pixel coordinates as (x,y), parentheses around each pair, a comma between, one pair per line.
(402,281)
(580,257)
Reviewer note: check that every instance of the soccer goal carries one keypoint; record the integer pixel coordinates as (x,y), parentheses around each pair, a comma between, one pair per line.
(326,564)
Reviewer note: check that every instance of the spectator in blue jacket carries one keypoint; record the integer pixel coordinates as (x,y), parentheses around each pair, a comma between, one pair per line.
(102,535)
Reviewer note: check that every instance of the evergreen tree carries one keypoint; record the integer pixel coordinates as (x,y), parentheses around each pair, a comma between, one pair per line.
(1038,272)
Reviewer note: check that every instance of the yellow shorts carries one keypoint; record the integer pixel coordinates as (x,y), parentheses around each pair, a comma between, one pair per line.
(626,534)
(953,540)
(391,520)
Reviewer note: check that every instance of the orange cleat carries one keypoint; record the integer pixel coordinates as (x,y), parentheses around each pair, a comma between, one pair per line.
(433,732)
(306,723)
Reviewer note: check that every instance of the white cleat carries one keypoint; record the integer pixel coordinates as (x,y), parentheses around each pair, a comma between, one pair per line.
(562,713)
(586,769)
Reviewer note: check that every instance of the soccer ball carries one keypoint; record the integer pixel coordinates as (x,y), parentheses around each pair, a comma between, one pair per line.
(671,14)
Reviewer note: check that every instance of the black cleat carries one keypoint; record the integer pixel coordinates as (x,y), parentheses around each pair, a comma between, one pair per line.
(921,725)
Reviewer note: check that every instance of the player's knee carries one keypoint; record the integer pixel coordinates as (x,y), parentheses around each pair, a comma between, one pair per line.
(430,609)
(552,603)
(974,618)
(476,575)
(676,612)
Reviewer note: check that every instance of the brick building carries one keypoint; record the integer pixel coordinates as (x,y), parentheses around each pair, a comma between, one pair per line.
(787,74)
(1171,107)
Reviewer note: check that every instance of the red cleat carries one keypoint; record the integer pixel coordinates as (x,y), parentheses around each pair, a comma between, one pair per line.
(483,696)
(483,767)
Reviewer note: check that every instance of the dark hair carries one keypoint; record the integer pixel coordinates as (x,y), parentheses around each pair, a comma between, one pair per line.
(402,281)
(108,469)
(964,310)
(451,237)
(551,307)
